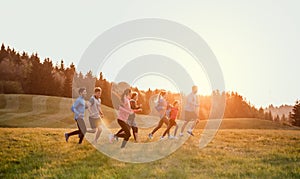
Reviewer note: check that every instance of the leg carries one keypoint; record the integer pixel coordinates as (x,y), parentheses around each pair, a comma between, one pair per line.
(125,127)
(194,124)
(119,132)
(98,133)
(158,126)
(184,125)
(82,129)
(175,131)
(167,130)
(135,133)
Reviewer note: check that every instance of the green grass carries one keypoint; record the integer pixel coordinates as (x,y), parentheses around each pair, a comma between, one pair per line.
(242,148)
(42,152)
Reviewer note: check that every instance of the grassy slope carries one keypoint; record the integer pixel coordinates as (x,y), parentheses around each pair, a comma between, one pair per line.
(265,149)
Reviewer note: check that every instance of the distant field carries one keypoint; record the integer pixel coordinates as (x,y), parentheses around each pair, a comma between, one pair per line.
(33,146)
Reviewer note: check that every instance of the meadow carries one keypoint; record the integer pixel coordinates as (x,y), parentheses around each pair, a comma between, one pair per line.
(33,146)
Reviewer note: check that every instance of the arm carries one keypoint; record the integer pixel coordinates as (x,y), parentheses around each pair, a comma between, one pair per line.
(100,111)
(75,107)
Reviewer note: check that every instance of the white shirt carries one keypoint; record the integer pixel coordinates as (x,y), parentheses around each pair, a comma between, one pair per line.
(95,107)
(191,102)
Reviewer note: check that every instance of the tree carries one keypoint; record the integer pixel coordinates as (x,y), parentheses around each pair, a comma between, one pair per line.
(295,115)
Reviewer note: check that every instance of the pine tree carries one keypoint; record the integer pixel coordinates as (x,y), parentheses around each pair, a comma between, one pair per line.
(295,115)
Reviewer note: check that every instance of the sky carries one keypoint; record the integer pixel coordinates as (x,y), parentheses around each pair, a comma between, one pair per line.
(255,42)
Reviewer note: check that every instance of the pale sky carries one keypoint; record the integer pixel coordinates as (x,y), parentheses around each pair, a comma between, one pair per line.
(256,42)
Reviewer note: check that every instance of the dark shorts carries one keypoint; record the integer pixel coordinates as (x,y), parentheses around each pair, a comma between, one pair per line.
(94,122)
(134,129)
(190,115)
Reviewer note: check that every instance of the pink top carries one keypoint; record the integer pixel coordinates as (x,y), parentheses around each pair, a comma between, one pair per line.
(125,110)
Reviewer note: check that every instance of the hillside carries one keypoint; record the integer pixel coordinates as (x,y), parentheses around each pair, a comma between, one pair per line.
(54,112)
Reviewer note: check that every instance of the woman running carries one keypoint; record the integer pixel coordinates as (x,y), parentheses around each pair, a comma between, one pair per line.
(172,122)
(131,119)
(123,113)
(161,108)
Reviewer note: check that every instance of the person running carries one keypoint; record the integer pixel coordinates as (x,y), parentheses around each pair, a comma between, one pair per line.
(78,108)
(173,115)
(190,111)
(131,119)
(161,107)
(123,114)
(95,113)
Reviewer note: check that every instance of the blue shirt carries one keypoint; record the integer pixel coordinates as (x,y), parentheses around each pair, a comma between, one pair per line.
(79,107)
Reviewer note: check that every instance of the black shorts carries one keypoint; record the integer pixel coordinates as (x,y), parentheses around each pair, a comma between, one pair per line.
(190,116)
(134,129)
(94,122)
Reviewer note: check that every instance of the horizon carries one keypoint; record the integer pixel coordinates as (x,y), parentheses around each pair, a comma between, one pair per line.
(258,59)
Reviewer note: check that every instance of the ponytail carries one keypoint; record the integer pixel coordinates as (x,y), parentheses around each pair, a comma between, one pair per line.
(125,93)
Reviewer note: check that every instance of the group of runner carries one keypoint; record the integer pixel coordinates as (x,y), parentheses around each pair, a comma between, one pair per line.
(168,114)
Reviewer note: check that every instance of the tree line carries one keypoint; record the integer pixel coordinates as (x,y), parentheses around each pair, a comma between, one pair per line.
(21,73)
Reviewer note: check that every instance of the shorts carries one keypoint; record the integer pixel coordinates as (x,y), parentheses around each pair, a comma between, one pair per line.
(131,121)
(190,115)
(134,129)
(94,122)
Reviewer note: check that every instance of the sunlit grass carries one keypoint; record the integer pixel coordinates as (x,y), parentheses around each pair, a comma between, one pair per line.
(42,152)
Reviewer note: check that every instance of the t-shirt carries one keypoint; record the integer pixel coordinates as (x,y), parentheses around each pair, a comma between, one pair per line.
(191,102)
(173,113)
(161,104)
(95,107)
(124,110)
(131,121)
(79,107)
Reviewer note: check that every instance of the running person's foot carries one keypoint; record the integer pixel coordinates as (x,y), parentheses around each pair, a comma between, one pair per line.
(162,138)
(66,137)
(150,136)
(190,132)
(116,138)
(181,134)
(110,138)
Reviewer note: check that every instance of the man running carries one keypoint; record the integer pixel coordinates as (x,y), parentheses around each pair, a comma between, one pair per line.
(78,108)
(190,111)
(95,113)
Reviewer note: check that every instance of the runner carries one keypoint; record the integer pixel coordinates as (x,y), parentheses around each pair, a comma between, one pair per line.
(95,113)
(190,111)
(172,122)
(78,108)
(161,108)
(131,119)
(123,114)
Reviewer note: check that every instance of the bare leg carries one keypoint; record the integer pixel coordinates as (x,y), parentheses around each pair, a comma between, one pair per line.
(175,131)
(194,124)
(184,125)
(98,133)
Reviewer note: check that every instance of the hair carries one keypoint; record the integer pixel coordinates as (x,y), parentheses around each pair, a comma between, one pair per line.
(97,89)
(81,90)
(162,93)
(133,95)
(175,102)
(193,87)
(125,93)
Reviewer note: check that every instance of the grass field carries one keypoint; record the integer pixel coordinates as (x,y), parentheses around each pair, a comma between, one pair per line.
(33,146)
